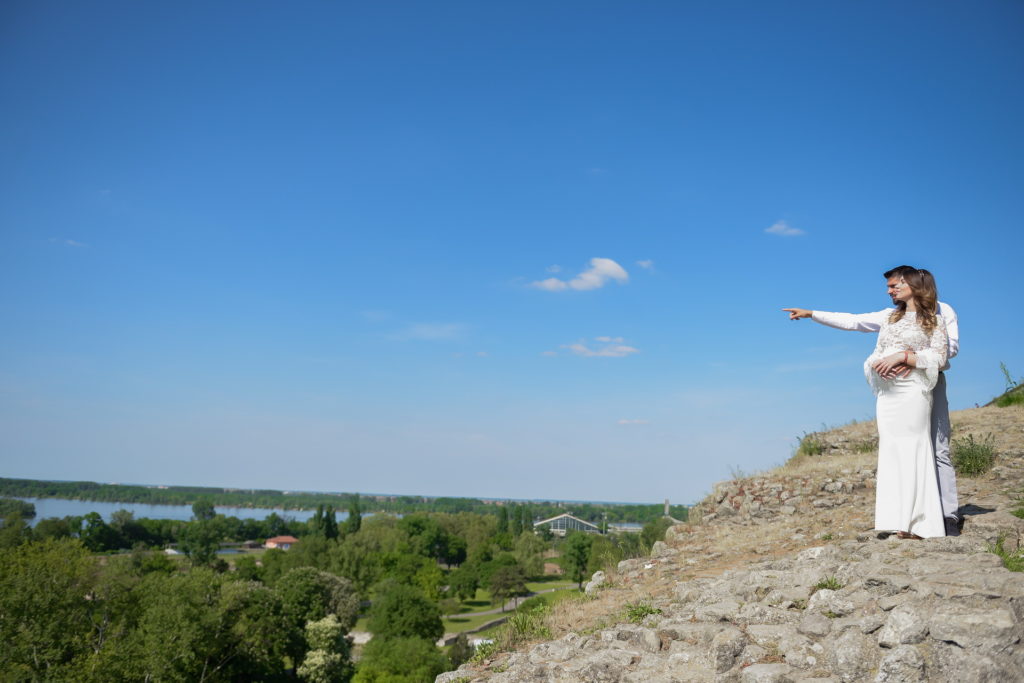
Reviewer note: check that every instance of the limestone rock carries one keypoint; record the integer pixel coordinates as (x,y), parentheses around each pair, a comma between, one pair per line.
(595,583)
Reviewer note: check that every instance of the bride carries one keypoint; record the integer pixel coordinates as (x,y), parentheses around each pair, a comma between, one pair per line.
(907,492)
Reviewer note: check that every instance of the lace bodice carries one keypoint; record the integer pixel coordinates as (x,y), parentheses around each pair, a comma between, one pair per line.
(906,335)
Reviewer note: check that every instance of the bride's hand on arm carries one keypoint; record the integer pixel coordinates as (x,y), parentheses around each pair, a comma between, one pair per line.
(887,364)
(901,370)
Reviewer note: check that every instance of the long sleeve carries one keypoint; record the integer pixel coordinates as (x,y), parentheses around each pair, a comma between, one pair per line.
(952,324)
(854,322)
(876,381)
(932,358)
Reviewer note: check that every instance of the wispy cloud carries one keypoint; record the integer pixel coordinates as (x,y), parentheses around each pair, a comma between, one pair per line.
(597,170)
(634,422)
(600,273)
(554,268)
(607,347)
(646,264)
(430,332)
(66,242)
(784,229)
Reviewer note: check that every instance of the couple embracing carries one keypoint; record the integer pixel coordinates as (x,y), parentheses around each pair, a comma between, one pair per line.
(915,493)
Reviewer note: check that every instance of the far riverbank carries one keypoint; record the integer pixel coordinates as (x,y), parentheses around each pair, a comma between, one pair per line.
(63,507)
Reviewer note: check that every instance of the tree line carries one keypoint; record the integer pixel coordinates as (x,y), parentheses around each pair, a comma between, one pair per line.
(69,613)
(225,497)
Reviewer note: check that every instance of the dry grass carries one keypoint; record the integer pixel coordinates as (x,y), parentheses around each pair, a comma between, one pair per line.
(826,465)
(706,550)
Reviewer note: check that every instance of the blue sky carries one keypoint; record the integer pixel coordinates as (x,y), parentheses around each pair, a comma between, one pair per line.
(524,250)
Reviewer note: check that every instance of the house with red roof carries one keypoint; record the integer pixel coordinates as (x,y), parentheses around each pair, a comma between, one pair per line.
(281,542)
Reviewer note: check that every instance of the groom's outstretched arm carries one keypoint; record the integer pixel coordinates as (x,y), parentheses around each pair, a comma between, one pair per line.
(854,322)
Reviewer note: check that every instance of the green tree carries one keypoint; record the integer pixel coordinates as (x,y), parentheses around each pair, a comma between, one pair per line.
(97,535)
(13,532)
(330,523)
(199,626)
(309,594)
(502,519)
(200,540)
(329,657)
(44,609)
(400,660)
(203,509)
(316,522)
(248,569)
(654,531)
(426,537)
(516,523)
(455,551)
(464,582)
(631,545)
(460,651)
(355,517)
(603,553)
(21,508)
(402,611)
(356,558)
(529,553)
(52,527)
(505,583)
(576,555)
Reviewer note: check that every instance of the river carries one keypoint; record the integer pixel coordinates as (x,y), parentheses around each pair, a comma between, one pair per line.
(62,507)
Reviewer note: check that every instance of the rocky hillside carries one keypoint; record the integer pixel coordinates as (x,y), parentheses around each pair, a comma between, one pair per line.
(780,578)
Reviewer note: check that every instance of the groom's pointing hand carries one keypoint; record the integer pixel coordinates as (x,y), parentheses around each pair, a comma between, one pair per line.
(797,313)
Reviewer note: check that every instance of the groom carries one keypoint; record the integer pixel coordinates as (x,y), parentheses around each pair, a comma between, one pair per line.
(872,322)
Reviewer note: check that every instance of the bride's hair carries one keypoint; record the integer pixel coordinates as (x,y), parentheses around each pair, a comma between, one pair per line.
(926,299)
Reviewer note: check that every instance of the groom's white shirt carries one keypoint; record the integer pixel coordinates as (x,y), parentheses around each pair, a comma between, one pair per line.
(872,322)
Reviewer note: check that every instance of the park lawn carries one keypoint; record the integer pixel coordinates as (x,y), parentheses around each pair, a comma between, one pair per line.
(481,602)
(470,622)
(457,625)
(547,584)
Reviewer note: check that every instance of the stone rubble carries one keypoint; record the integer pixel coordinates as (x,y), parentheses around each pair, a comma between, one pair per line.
(784,580)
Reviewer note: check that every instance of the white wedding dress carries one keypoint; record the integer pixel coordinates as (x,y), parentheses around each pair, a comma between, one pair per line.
(907,489)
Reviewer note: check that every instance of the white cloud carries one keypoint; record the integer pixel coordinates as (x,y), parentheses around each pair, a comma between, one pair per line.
(431,332)
(634,422)
(549,353)
(600,272)
(482,354)
(554,268)
(609,349)
(647,264)
(65,242)
(784,229)
(608,340)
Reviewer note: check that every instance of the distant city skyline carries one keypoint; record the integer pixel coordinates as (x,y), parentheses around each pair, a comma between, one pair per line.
(491,250)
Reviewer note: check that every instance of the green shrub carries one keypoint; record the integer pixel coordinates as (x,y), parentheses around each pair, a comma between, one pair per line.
(1014,395)
(810,444)
(636,612)
(1015,398)
(483,651)
(868,446)
(828,583)
(973,457)
(1014,561)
